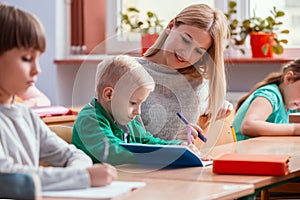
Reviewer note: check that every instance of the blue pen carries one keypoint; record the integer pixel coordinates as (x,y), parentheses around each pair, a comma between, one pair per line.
(200,135)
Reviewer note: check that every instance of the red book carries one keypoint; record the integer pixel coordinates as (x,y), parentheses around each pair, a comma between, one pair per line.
(251,164)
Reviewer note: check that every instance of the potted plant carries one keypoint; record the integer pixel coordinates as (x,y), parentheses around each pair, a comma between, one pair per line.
(263,32)
(149,27)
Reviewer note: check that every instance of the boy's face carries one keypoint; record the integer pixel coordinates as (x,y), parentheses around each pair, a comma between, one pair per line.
(125,109)
(19,68)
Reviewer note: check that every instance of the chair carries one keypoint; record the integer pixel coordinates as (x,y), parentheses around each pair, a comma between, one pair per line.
(63,131)
(19,186)
(223,126)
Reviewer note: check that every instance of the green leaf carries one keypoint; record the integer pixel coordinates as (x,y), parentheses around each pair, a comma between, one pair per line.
(132,9)
(285,31)
(265,49)
(280,14)
(231,4)
(150,14)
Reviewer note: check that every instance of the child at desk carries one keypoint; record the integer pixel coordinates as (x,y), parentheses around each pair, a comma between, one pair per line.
(33,97)
(24,138)
(122,85)
(265,110)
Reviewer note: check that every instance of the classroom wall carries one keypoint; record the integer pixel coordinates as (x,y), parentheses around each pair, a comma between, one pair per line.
(45,11)
(77,80)
(242,77)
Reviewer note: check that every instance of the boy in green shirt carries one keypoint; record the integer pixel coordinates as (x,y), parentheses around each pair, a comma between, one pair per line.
(122,85)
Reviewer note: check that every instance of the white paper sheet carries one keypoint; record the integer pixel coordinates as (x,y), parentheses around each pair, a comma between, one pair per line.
(116,188)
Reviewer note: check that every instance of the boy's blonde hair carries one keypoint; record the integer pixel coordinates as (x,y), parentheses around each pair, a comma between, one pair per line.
(211,65)
(122,71)
(20,29)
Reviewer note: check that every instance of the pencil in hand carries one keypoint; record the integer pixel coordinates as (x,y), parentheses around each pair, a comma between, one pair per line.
(200,135)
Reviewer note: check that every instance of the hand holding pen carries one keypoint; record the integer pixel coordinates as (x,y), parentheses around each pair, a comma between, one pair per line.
(195,127)
(102,174)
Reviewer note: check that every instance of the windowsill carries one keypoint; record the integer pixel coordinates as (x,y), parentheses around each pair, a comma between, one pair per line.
(231,57)
(240,60)
(250,60)
(73,59)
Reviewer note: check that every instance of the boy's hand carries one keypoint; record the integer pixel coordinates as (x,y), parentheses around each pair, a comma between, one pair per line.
(194,149)
(102,174)
(183,136)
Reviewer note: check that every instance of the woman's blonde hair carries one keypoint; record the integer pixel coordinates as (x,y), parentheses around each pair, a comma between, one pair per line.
(210,66)
(20,29)
(275,78)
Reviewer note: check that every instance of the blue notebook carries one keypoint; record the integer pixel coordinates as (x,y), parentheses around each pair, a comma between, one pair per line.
(165,155)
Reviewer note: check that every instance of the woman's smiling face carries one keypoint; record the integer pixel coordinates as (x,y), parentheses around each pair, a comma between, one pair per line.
(185,45)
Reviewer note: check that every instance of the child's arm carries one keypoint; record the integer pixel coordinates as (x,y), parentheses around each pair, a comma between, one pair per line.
(88,134)
(254,123)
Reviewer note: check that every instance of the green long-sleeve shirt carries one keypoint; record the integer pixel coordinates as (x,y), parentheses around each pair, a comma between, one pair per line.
(93,124)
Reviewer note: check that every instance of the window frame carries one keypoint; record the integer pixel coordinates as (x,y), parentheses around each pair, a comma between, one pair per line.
(113,46)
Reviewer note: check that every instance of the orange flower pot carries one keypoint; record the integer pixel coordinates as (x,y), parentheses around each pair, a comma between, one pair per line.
(147,41)
(261,44)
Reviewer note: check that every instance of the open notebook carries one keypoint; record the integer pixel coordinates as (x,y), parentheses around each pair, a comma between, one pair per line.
(167,155)
(115,189)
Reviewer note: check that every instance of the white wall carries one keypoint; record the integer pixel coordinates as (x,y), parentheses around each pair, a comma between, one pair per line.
(242,77)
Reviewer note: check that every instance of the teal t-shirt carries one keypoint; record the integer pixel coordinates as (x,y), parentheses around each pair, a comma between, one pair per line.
(279,115)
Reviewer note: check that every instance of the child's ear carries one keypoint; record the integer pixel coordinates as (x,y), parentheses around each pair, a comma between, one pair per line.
(289,77)
(107,94)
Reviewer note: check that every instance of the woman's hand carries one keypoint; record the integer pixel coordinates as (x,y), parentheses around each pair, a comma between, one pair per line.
(225,110)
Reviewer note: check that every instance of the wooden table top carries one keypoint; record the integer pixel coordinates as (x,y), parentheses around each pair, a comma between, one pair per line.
(176,189)
(252,146)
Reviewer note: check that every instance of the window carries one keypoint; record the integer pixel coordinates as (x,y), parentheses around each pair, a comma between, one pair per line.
(291,20)
(115,43)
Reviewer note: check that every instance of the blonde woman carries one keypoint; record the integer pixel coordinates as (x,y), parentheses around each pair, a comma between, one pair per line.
(187,65)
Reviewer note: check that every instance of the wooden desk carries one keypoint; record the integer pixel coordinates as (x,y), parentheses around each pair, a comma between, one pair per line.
(170,189)
(57,120)
(294,140)
(252,146)
(69,118)
(294,117)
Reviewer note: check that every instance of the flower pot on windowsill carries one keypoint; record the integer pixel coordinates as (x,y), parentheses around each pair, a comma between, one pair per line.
(261,44)
(147,41)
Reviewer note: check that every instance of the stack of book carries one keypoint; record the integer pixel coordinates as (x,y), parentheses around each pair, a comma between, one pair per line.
(47,111)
